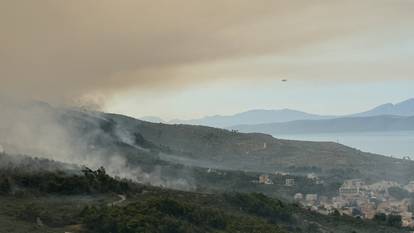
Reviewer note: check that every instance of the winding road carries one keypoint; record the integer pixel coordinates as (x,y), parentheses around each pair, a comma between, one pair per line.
(122,198)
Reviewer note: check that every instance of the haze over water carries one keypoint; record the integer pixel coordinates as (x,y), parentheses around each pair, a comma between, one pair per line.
(396,143)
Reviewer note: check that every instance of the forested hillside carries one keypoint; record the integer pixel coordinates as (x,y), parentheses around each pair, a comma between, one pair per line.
(87,201)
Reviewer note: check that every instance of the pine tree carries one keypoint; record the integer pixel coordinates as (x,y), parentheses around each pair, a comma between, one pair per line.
(5,186)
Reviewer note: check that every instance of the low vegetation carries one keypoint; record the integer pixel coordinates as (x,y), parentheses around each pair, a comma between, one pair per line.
(86,201)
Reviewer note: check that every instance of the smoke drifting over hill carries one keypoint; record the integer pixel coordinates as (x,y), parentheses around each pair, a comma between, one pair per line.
(74,137)
(60,51)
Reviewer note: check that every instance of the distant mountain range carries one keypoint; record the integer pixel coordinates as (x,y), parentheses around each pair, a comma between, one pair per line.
(259,117)
(405,108)
(346,124)
(252,117)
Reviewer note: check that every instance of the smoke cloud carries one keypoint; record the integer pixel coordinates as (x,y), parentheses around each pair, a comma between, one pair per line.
(58,50)
(76,137)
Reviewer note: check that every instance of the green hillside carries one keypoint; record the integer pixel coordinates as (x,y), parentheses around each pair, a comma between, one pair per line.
(146,145)
(205,146)
(90,201)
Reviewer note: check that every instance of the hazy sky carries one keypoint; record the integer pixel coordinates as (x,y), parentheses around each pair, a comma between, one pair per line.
(189,58)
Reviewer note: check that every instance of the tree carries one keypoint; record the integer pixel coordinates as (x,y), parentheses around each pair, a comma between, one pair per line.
(5,186)
(398,193)
(381,218)
(394,220)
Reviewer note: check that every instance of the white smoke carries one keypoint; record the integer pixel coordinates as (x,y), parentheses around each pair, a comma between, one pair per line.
(37,129)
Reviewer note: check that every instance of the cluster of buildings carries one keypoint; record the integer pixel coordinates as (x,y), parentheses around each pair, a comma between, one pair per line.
(289,180)
(355,198)
(361,200)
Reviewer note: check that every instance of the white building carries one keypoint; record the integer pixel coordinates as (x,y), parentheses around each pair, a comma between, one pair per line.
(312,176)
(349,191)
(354,183)
(298,197)
(279,173)
(338,202)
(311,197)
(290,182)
(352,188)
(410,187)
(383,185)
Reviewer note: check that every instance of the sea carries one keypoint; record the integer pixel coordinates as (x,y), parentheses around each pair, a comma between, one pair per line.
(397,144)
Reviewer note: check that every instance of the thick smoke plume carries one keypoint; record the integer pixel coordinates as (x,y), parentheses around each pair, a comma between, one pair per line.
(74,137)
(59,50)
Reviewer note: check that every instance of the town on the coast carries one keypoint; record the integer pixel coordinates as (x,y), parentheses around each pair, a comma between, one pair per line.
(355,197)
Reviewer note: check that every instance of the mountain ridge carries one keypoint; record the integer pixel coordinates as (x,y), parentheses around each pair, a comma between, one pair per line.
(250,116)
(268,116)
(404,108)
(337,125)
